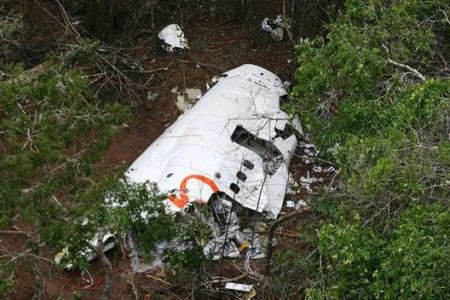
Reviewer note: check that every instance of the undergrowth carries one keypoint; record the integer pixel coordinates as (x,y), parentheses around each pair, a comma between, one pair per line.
(375,95)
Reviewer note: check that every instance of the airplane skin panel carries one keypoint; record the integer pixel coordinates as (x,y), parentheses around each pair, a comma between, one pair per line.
(195,157)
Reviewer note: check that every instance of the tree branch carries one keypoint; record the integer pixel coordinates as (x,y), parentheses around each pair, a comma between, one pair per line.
(414,71)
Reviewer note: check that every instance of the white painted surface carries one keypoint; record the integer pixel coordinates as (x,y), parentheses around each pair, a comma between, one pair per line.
(199,143)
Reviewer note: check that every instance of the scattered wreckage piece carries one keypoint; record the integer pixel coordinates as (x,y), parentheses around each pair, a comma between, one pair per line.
(274,27)
(239,287)
(173,39)
(246,290)
(187,99)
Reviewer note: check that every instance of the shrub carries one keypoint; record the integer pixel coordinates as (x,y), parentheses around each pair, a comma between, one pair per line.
(358,263)
(373,96)
(417,260)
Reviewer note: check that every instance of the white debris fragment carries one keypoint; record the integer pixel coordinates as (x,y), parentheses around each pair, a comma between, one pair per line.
(152,96)
(317,169)
(239,287)
(300,204)
(274,27)
(186,100)
(173,39)
(330,170)
(289,189)
(310,153)
(291,179)
(307,181)
(183,104)
(193,93)
(290,204)
(108,241)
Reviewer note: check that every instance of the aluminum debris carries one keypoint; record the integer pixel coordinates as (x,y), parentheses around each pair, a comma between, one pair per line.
(274,27)
(187,99)
(232,150)
(231,141)
(239,287)
(290,204)
(173,39)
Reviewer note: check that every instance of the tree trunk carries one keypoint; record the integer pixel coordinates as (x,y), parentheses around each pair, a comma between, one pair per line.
(106,293)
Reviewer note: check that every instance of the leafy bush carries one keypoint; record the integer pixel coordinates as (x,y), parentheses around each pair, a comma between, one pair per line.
(52,130)
(373,96)
(122,207)
(45,114)
(6,278)
(345,81)
(416,261)
(359,263)
(380,126)
(350,256)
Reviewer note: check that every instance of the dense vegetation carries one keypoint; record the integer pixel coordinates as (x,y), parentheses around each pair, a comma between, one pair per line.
(54,127)
(375,95)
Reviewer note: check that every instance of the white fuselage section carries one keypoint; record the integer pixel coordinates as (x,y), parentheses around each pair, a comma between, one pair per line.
(196,157)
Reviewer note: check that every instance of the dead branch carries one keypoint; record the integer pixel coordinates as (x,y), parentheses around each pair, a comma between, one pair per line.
(28,233)
(445,16)
(225,280)
(159,279)
(414,71)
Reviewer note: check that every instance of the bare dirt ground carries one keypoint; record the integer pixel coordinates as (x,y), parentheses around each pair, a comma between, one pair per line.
(219,41)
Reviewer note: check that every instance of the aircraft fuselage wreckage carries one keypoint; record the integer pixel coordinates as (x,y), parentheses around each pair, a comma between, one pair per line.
(235,145)
(235,140)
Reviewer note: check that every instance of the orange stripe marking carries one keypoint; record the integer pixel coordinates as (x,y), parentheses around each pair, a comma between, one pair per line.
(183,198)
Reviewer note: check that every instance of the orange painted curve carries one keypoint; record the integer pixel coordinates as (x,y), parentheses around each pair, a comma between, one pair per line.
(182,199)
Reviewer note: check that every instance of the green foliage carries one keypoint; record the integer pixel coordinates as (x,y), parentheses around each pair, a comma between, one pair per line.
(192,233)
(358,263)
(84,52)
(343,83)
(292,267)
(416,261)
(52,130)
(387,130)
(45,113)
(379,127)
(351,255)
(6,278)
(121,207)
(11,28)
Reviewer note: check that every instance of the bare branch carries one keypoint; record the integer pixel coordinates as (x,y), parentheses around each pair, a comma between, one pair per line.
(417,73)
(445,16)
